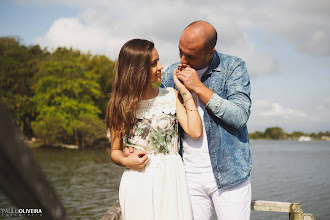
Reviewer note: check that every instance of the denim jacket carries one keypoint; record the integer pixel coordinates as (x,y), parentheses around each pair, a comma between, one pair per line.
(225,122)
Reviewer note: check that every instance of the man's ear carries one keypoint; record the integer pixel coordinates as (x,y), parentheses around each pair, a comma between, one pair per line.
(212,52)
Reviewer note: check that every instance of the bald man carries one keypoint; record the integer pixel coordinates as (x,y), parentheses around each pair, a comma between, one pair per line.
(218,164)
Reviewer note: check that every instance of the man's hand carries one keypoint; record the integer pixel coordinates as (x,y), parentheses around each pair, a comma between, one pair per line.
(190,78)
(128,151)
(136,161)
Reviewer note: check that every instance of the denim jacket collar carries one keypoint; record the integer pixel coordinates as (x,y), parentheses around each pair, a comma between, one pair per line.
(215,65)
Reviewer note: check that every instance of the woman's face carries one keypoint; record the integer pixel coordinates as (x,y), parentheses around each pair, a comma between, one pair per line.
(155,73)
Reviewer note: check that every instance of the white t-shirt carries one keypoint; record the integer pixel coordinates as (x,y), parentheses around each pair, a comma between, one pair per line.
(196,152)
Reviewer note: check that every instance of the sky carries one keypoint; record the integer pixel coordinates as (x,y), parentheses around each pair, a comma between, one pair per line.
(285,44)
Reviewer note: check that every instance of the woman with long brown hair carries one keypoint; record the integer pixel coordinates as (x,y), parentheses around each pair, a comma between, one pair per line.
(146,118)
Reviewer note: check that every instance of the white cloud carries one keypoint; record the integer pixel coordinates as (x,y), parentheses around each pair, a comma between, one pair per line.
(72,32)
(275,111)
(303,23)
(313,118)
(104,27)
(266,114)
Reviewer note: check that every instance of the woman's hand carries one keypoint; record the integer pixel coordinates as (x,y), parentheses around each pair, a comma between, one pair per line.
(177,82)
(136,161)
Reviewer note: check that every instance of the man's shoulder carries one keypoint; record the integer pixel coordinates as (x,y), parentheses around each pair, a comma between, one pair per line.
(229,62)
(228,58)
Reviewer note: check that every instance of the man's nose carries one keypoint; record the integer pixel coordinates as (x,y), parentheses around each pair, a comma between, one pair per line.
(183,60)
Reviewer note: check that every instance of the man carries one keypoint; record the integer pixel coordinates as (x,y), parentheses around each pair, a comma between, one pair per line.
(218,164)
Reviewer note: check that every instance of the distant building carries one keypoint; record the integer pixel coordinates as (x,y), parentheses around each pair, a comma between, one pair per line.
(304,138)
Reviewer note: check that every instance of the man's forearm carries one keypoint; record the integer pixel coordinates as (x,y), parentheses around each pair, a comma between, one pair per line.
(233,112)
(203,93)
(229,112)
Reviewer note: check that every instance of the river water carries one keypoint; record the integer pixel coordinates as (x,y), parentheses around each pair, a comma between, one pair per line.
(289,171)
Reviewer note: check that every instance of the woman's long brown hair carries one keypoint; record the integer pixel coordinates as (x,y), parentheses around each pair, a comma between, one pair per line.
(129,86)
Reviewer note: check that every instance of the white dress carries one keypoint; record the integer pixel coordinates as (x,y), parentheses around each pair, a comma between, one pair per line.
(160,191)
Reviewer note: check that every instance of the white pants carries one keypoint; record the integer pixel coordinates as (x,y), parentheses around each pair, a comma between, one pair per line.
(230,204)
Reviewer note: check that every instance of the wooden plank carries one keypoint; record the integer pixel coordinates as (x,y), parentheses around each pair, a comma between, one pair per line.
(114,213)
(308,216)
(271,206)
(294,209)
(21,176)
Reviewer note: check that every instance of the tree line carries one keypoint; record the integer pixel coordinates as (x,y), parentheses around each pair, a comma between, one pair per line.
(58,96)
(277,133)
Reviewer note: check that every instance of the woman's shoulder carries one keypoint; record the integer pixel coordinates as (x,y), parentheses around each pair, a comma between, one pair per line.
(167,91)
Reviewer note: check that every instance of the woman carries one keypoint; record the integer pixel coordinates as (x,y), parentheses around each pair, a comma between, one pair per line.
(146,118)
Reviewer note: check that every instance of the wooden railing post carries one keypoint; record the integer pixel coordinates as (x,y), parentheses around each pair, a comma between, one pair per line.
(296,212)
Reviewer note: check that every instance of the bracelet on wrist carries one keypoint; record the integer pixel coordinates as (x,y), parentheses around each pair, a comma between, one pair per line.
(187,109)
(187,100)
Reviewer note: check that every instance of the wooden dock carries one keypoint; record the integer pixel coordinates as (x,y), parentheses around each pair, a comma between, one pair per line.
(294,210)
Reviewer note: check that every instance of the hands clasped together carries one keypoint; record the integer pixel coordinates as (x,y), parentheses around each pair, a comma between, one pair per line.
(188,77)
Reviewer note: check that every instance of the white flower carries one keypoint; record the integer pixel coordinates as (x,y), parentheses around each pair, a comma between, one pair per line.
(164,123)
(154,124)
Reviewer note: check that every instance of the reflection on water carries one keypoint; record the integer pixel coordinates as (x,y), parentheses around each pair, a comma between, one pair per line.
(87,181)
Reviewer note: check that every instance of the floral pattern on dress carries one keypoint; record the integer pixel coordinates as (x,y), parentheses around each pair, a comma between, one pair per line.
(158,134)
(155,135)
